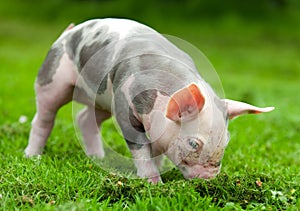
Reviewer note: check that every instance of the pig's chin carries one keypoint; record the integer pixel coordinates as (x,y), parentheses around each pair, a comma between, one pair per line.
(198,171)
(205,176)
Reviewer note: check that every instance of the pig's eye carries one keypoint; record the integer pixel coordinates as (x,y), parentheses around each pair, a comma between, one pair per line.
(193,143)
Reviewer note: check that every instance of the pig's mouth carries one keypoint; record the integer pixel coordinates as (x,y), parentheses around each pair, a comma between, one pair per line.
(206,171)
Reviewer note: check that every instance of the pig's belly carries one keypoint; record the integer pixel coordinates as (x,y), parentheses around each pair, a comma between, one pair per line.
(85,95)
(104,101)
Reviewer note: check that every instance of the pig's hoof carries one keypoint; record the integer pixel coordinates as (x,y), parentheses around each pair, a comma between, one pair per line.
(155,179)
(32,152)
(96,155)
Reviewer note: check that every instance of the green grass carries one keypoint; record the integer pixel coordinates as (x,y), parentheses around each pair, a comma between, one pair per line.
(257,61)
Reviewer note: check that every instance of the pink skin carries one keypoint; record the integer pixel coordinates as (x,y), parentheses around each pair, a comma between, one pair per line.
(53,96)
(199,171)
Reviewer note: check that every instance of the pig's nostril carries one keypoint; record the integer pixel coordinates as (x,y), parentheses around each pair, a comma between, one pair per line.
(214,164)
(184,162)
(206,176)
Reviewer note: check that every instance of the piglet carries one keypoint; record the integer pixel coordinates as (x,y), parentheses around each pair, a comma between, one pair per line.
(155,92)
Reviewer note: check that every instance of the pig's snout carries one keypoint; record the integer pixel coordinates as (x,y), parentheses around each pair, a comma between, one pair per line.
(206,171)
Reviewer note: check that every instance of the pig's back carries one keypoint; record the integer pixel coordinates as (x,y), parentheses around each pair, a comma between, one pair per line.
(108,51)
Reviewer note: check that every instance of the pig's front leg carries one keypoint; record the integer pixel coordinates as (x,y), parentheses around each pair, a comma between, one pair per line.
(145,164)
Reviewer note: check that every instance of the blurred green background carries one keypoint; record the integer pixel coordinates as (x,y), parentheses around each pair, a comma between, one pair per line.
(254,46)
(192,10)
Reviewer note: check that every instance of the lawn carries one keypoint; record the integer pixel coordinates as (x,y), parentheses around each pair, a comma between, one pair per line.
(257,60)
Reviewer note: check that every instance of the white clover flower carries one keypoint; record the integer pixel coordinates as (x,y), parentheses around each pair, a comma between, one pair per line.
(23,119)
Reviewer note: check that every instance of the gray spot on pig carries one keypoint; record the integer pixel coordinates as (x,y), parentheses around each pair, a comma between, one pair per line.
(135,123)
(73,44)
(144,101)
(88,51)
(96,34)
(134,146)
(50,65)
(100,32)
(95,63)
(128,67)
(101,40)
(80,95)
(103,85)
(116,74)
(133,130)
(92,24)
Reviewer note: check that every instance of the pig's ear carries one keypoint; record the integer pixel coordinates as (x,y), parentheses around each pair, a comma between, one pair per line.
(185,103)
(236,108)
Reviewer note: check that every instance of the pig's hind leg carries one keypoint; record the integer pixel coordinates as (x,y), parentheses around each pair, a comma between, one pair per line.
(89,121)
(54,88)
